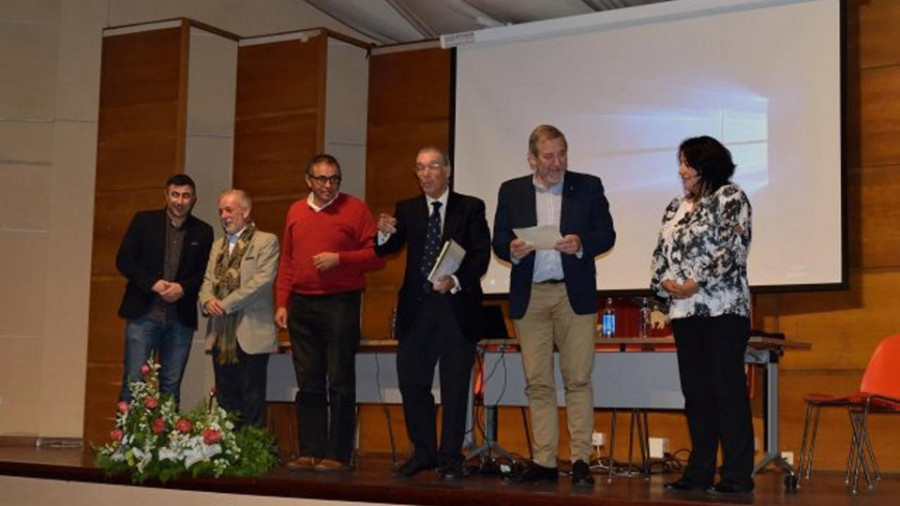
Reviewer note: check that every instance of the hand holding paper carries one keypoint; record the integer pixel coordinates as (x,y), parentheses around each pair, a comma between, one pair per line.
(543,237)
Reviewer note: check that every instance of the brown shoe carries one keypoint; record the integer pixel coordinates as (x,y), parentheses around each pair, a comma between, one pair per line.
(333,466)
(303,464)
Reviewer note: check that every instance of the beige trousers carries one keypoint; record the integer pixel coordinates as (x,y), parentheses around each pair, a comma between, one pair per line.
(548,320)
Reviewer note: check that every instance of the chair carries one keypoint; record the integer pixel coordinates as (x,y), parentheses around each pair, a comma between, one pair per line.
(879,393)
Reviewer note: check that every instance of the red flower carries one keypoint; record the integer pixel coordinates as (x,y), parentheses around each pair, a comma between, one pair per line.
(151,403)
(159,426)
(145,370)
(122,406)
(211,436)
(116,434)
(183,425)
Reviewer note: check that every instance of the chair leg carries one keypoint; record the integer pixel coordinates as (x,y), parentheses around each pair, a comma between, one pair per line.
(858,455)
(866,451)
(812,442)
(803,447)
(869,449)
(851,455)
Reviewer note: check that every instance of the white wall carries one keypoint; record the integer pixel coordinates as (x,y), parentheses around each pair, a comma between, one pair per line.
(49,88)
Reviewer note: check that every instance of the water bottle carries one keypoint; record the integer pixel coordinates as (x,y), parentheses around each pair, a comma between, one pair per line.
(644,318)
(609,319)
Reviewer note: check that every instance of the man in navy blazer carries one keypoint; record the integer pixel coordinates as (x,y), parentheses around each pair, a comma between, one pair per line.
(552,296)
(163,256)
(436,322)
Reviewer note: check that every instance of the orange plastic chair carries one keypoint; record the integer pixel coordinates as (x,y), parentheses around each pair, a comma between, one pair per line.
(879,393)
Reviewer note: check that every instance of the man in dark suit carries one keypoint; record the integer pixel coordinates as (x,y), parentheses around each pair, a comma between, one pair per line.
(163,255)
(552,295)
(436,320)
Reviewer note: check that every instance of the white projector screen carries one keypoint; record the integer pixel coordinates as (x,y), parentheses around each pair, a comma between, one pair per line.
(627,86)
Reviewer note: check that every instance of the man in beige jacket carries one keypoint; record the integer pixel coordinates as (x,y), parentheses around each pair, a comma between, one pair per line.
(237,296)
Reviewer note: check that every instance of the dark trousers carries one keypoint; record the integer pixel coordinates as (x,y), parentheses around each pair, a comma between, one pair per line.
(711,365)
(434,338)
(241,387)
(325,338)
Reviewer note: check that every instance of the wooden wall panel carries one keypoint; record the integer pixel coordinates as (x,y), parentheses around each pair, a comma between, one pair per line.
(280,117)
(269,214)
(374,430)
(880,116)
(843,326)
(138,145)
(878,37)
(107,330)
(879,215)
(271,152)
(141,138)
(103,382)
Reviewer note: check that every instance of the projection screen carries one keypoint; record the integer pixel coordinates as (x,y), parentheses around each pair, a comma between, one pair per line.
(627,86)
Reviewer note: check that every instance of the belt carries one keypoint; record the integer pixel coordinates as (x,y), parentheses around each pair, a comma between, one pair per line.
(550,282)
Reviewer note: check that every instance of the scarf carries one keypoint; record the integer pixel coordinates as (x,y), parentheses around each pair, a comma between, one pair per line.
(228,279)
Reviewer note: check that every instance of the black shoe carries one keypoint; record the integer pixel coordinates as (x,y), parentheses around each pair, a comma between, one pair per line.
(536,472)
(685,485)
(731,488)
(450,472)
(581,474)
(411,468)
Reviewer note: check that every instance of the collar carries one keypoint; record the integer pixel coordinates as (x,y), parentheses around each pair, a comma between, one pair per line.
(310,200)
(553,190)
(233,238)
(442,199)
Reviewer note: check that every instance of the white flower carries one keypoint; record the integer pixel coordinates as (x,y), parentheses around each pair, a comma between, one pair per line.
(166,453)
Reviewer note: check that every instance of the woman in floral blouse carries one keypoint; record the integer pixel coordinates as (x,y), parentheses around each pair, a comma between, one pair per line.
(700,266)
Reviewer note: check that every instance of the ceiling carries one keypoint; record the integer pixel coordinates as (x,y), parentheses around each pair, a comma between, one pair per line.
(398,21)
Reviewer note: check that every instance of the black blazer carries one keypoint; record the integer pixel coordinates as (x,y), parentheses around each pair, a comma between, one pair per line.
(585,211)
(141,258)
(465,223)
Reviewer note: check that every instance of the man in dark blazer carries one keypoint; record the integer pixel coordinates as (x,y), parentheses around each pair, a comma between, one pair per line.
(163,256)
(436,322)
(552,296)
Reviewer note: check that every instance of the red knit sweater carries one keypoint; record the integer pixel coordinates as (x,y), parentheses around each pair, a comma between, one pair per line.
(346,227)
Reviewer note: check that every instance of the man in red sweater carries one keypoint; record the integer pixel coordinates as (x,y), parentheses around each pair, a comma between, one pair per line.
(327,247)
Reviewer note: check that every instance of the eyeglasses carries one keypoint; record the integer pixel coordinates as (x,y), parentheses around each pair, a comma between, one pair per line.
(432,166)
(335,180)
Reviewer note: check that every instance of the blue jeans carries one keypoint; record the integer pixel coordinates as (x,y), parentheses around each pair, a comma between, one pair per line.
(172,341)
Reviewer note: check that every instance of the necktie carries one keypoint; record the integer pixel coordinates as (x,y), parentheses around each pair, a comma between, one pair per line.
(432,239)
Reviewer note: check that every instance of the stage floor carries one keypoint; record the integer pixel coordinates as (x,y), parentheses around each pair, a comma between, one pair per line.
(371,482)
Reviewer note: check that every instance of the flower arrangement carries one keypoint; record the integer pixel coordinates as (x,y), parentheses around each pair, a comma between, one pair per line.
(153,440)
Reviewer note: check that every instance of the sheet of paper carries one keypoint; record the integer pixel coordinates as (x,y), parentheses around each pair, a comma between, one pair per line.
(448,261)
(544,237)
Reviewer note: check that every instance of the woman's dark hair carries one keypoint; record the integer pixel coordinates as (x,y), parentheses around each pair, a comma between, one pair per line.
(710,159)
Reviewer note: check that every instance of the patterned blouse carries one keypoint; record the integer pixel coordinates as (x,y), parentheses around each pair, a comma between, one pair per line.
(706,241)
